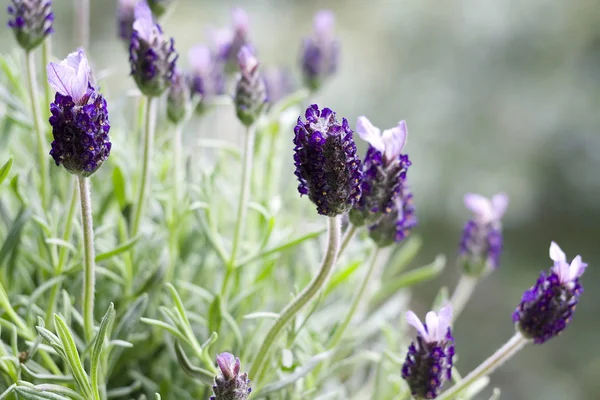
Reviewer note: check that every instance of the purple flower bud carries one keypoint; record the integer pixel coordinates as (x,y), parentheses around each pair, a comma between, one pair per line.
(125,18)
(320,53)
(207,76)
(79,117)
(547,308)
(481,242)
(278,83)
(178,100)
(428,362)
(395,225)
(159,7)
(31,21)
(229,383)
(250,94)
(151,55)
(384,171)
(229,41)
(327,167)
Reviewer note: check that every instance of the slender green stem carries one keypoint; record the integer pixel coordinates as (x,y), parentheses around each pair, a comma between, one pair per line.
(89,265)
(462,294)
(148,144)
(62,254)
(82,23)
(510,348)
(242,206)
(348,235)
(290,311)
(33,92)
(46,54)
(177,197)
(177,162)
(339,332)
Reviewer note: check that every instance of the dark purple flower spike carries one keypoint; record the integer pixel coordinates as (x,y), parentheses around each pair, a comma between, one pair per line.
(250,93)
(31,21)
(320,53)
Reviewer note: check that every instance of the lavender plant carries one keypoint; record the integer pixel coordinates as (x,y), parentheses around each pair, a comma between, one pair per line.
(196,256)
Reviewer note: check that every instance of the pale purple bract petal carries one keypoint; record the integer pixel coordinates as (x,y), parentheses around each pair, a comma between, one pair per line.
(324,23)
(480,206)
(556,254)
(499,204)
(241,22)
(144,24)
(413,320)
(369,133)
(445,319)
(394,140)
(71,76)
(200,58)
(247,61)
(227,364)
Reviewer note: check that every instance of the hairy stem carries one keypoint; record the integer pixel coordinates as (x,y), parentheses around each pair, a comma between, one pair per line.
(148,144)
(35,109)
(348,235)
(82,23)
(290,311)
(462,294)
(510,348)
(242,205)
(46,54)
(89,265)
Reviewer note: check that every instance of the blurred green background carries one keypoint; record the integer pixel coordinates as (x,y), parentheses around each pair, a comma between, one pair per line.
(498,96)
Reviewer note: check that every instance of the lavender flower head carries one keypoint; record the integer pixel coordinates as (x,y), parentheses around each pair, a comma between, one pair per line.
(481,242)
(125,18)
(229,383)
(428,362)
(395,226)
(31,21)
(152,56)
(384,172)
(178,100)
(327,167)
(79,117)
(250,93)
(229,41)
(547,308)
(320,53)
(207,76)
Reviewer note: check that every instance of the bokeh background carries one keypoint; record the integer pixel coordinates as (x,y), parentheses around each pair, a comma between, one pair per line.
(498,96)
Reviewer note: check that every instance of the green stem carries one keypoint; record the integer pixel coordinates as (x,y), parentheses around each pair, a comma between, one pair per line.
(348,235)
(82,23)
(62,254)
(462,294)
(89,265)
(46,54)
(148,144)
(177,170)
(33,91)
(516,343)
(290,311)
(242,205)
(339,332)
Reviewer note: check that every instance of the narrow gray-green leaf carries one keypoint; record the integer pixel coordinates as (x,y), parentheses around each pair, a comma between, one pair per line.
(58,389)
(5,169)
(118,250)
(29,393)
(105,326)
(14,234)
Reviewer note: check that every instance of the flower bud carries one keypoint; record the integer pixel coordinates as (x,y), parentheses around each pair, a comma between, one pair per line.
(178,100)
(250,94)
(327,167)
(320,53)
(395,225)
(79,117)
(229,383)
(31,21)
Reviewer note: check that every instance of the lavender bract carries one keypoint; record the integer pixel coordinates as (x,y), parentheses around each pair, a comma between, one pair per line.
(384,172)
(250,94)
(178,99)
(152,56)
(79,118)
(320,53)
(481,242)
(428,362)
(31,21)
(125,18)
(229,383)
(229,41)
(207,75)
(395,225)
(547,308)
(327,167)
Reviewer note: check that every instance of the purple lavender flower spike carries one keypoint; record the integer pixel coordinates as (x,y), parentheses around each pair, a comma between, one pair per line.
(384,172)
(547,307)
(125,18)
(79,117)
(178,100)
(481,242)
(31,21)
(207,75)
(320,53)
(395,226)
(229,383)
(159,7)
(152,56)
(229,41)
(327,167)
(250,93)
(278,83)
(428,362)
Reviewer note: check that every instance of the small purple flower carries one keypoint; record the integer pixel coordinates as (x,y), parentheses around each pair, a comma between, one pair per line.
(278,83)
(125,18)
(152,56)
(481,242)
(320,53)
(384,172)
(159,7)
(547,308)
(229,41)
(327,167)
(250,94)
(229,383)
(31,21)
(79,117)
(428,362)
(178,100)
(206,75)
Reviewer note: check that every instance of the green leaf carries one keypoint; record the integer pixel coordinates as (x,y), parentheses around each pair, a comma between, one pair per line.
(31,393)
(119,187)
(58,389)
(72,357)
(14,234)
(215,315)
(195,372)
(5,169)
(340,276)
(98,345)
(403,256)
(121,249)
